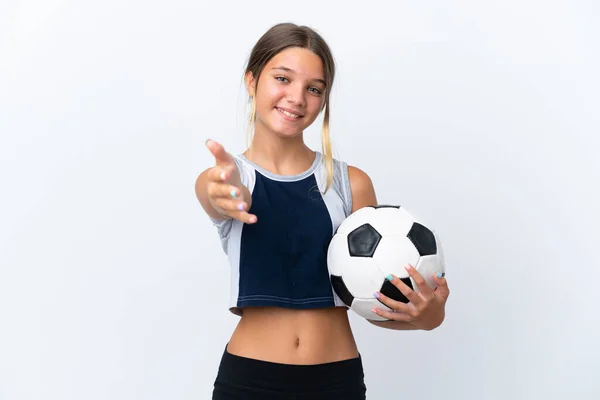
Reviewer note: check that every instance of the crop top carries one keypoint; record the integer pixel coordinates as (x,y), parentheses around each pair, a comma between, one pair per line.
(281,260)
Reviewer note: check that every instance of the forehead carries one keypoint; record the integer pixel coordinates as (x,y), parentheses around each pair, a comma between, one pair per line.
(302,61)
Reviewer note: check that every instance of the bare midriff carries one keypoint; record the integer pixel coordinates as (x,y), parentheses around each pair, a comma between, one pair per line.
(294,336)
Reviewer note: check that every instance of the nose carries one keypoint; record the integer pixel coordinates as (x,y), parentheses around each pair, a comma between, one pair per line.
(296,95)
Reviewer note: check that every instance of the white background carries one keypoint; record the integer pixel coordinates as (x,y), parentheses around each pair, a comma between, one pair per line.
(481,116)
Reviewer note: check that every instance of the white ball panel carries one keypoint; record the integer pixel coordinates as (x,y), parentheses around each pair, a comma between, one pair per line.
(356,219)
(391,221)
(427,267)
(440,253)
(393,253)
(363,308)
(362,277)
(337,254)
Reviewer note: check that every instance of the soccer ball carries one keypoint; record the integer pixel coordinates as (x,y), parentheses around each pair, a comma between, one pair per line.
(376,241)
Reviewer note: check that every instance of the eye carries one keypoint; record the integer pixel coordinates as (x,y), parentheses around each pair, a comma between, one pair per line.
(282,78)
(315,90)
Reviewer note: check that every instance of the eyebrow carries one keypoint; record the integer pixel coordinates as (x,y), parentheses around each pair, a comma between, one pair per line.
(284,68)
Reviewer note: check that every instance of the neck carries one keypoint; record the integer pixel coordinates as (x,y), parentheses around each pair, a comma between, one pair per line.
(284,156)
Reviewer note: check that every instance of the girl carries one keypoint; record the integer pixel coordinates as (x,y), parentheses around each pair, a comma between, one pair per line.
(276,207)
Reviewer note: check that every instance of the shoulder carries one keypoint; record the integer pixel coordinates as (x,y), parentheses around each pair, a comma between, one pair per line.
(359,179)
(361,187)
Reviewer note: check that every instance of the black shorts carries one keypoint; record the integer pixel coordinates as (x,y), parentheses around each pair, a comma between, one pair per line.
(243,378)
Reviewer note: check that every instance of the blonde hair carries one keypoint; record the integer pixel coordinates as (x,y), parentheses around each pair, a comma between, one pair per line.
(326,148)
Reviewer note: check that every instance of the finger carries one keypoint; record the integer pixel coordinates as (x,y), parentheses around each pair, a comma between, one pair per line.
(217,174)
(217,190)
(236,209)
(406,290)
(442,286)
(396,305)
(222,158)
(221,173)
(391,315)
(231,206)
(245,217)
(424,289)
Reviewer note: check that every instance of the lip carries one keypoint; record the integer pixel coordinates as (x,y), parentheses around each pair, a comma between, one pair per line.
(291,112)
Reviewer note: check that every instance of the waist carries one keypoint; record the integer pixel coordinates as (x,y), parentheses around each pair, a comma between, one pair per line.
(292,336)
(250,378)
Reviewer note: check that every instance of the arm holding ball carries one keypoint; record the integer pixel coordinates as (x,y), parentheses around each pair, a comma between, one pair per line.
(426,309)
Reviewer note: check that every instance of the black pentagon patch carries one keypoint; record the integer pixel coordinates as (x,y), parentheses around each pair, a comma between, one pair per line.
(341,290)
(393,292)
(423,239)
(385,206)
(363,241)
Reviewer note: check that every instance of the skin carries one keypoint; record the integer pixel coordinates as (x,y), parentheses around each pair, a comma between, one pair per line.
(299,336)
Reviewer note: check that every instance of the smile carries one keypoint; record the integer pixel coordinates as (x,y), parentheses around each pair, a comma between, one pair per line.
(289,116)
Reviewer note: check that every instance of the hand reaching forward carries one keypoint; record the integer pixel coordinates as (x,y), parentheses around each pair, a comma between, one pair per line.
(226,193)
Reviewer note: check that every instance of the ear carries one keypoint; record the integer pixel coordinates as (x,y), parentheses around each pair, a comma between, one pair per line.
(250,83)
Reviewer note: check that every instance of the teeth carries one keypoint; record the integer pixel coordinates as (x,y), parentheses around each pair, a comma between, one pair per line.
(289,114)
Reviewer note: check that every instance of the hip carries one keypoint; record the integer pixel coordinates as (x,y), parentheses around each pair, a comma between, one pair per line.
(240,377)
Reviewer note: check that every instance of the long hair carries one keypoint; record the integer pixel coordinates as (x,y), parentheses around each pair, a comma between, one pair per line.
(278,38)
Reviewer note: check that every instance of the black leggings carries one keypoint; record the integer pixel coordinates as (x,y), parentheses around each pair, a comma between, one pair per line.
(243,378)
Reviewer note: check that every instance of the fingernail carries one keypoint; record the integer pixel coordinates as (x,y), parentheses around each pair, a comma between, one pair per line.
(374,310)
(253,219)
(233,193)
(240,207)
(376,295)
(389,277)
(439,275)
(407,266)
(223,175)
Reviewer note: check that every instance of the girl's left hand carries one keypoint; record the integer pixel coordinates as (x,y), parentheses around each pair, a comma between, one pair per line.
(426,308)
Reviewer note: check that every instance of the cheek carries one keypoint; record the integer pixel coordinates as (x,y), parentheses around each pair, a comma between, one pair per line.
(270,95)
(315,105)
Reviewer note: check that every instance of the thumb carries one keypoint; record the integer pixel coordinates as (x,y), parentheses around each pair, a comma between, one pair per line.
(442,286)
(222,157)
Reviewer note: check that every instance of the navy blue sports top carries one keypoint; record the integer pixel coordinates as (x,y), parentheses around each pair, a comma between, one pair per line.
(281,260)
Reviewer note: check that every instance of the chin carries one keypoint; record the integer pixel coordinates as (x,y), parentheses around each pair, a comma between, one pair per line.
(286,130)
(287,133)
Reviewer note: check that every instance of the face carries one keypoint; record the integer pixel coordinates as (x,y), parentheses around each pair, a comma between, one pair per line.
(290,92)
